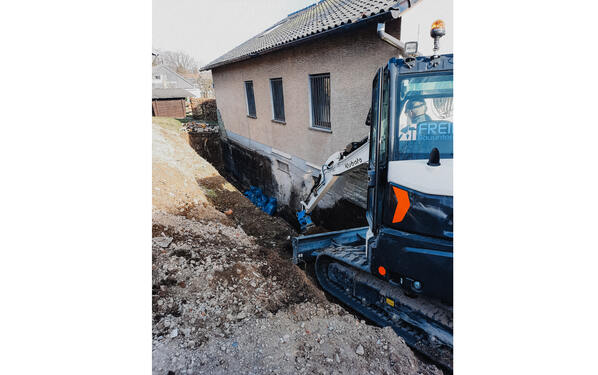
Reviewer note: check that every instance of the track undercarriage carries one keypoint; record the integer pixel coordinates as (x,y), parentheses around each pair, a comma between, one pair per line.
(426,326)
(342,270)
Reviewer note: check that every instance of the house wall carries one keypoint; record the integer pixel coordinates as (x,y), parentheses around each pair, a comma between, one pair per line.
(351,58)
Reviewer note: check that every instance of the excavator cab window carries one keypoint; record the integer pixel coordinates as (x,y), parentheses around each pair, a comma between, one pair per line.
(384,117)
(426,117)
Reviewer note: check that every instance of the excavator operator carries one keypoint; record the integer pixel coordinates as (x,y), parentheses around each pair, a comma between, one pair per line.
(416,109)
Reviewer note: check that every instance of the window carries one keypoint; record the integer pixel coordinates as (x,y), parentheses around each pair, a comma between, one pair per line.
(250,99)
(319,90)
(277,99)
(426,117)
(384,115)
(282,166)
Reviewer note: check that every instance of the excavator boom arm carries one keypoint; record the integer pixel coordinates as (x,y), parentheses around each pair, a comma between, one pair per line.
(337,165)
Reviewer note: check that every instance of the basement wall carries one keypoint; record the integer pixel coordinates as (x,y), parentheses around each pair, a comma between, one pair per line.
(287,177)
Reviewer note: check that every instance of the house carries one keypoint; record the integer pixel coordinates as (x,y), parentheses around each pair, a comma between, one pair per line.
(164,77)
(300,90)
(170,102)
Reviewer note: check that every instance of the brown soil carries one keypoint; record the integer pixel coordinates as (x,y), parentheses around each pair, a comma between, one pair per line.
(175,167)
(270,231)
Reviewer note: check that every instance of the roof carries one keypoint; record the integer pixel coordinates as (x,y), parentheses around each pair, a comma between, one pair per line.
(173,76)
(304,24)
(170,93)
(192,77)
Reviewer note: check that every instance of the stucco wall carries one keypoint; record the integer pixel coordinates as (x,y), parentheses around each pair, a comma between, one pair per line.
(351,58)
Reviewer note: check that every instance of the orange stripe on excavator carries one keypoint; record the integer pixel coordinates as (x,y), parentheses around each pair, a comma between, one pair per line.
(402,204)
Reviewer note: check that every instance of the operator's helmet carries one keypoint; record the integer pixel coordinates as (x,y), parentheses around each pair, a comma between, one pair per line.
(414,103)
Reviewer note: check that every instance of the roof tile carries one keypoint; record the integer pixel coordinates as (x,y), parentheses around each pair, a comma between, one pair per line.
(323,16)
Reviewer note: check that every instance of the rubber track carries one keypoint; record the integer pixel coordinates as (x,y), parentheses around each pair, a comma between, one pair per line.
(414,337)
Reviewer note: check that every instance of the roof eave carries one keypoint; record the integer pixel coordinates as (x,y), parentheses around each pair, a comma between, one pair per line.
(380,17)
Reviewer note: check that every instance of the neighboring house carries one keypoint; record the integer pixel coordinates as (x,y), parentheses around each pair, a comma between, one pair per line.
(301,90)
(169,102)
(164,77)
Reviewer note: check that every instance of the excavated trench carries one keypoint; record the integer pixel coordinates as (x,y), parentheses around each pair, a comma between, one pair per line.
(244,168)
(271,232)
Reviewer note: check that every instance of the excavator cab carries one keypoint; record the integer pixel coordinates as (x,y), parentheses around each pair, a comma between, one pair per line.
(410,199)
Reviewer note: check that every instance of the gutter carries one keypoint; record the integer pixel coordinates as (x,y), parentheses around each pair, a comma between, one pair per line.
(392,13)
(390,39)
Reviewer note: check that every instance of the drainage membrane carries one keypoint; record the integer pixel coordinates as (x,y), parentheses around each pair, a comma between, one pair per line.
(261,200)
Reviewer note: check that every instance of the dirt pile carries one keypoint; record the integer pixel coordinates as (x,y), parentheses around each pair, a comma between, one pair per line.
(227,299)
(224,304)
(175,168)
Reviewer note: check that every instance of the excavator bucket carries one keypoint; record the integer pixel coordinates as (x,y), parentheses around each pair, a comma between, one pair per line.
(304,220)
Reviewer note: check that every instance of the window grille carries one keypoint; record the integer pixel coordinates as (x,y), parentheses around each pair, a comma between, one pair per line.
(250,98)
(319,86)
(277,99)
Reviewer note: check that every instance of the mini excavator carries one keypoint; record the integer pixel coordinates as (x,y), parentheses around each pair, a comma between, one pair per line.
(397,271)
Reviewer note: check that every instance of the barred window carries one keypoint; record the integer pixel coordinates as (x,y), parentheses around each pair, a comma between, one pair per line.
(277,99)
(319,89)
(250,98)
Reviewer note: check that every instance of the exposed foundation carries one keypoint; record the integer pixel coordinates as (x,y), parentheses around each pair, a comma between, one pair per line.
(285,177)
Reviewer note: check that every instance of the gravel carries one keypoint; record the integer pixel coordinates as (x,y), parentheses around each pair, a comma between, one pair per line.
(225,302)
(210,319)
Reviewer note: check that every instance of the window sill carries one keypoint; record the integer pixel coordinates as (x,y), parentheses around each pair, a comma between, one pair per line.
(279,122)
(320,129)
(250,116)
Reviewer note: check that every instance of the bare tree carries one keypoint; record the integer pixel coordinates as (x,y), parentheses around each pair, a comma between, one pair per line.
(178,61)
(205,84)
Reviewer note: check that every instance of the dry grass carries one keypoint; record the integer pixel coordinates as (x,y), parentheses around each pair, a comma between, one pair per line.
(167,123)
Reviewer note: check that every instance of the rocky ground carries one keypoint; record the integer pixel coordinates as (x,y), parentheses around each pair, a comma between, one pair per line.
(227,298)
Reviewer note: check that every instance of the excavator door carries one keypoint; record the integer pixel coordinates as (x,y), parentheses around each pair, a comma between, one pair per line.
(378,147)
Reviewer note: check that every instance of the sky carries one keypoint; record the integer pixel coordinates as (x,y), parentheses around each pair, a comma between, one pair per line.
(207,29)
